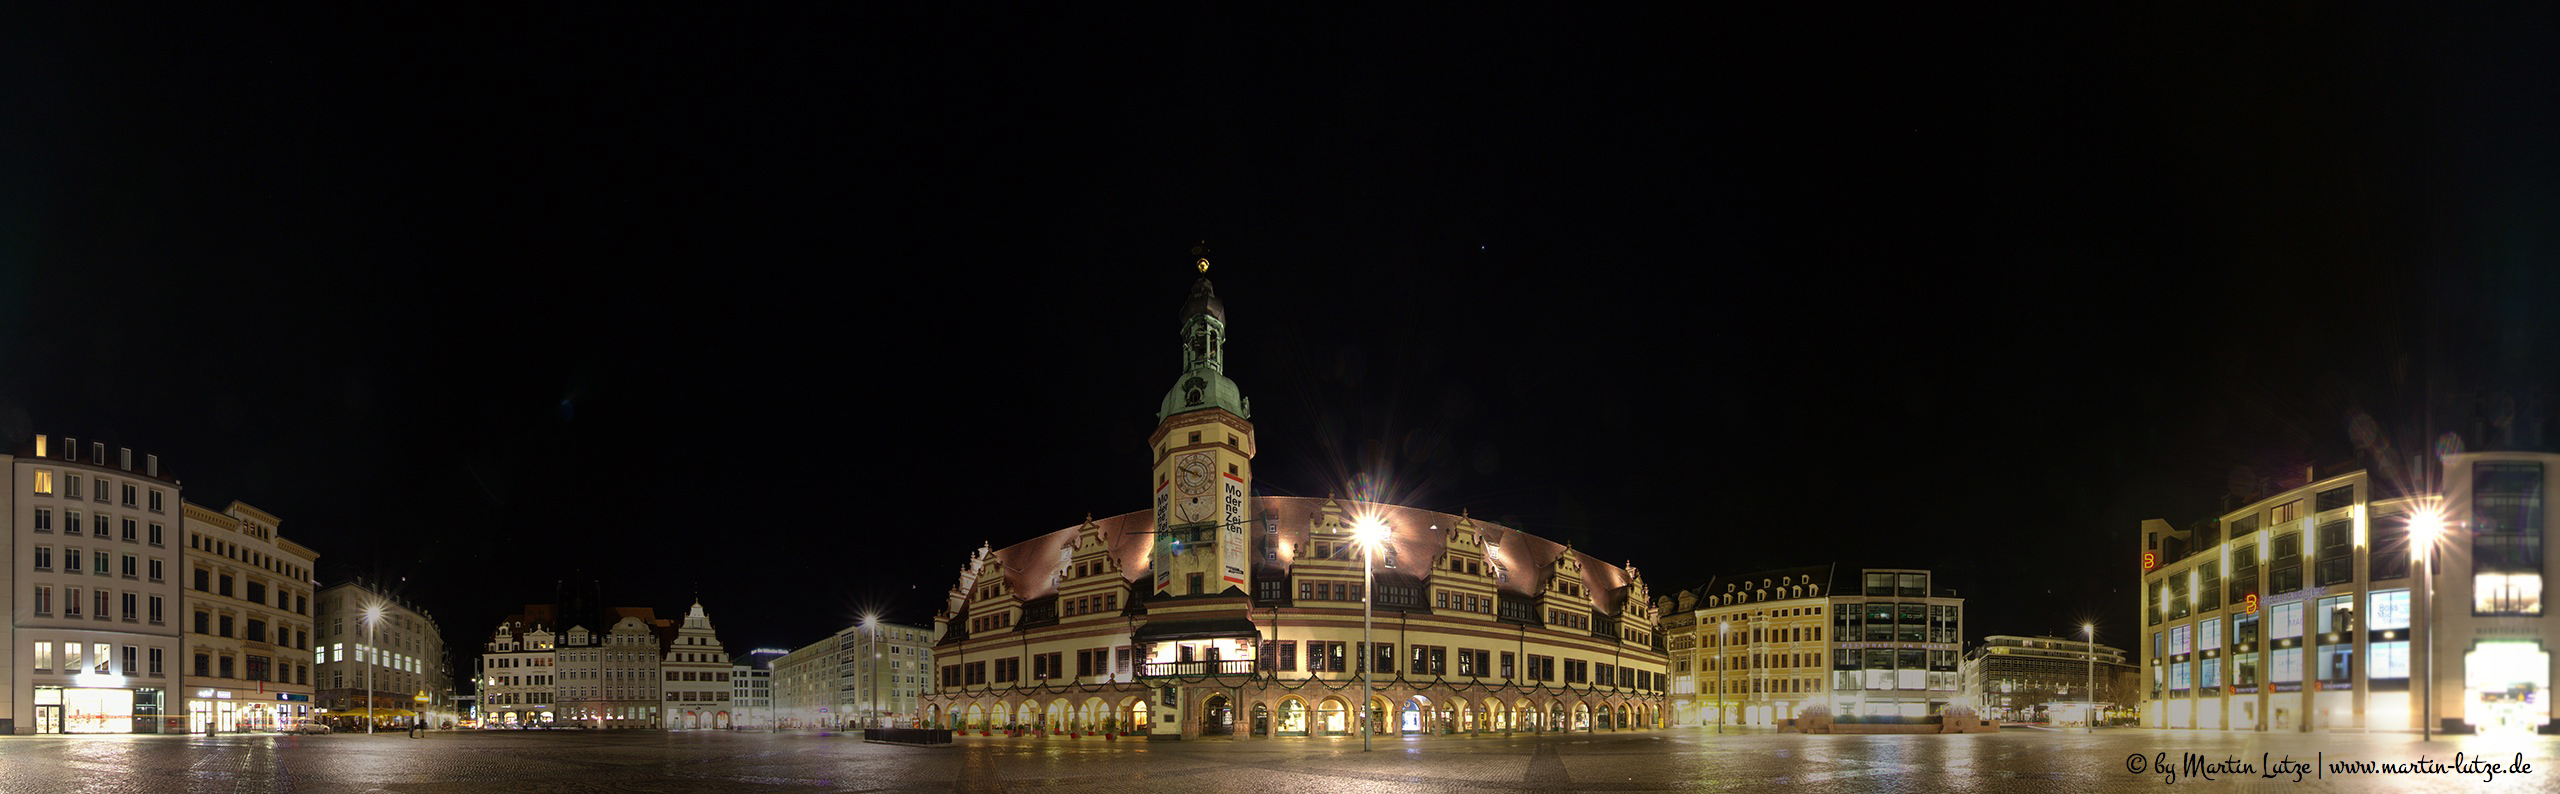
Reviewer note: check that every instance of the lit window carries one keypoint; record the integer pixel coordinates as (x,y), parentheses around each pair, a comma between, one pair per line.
(2507,594)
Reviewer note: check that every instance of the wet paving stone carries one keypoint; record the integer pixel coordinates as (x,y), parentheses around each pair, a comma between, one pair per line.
(2041,762)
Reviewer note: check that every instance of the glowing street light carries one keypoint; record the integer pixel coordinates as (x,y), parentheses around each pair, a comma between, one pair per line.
(2090,631)
(2425,526)
(372,659)
(1369,531)
(872,622)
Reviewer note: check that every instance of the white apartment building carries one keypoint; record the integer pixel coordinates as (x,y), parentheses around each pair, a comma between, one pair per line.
(751,688)
(92,585)
(247,604)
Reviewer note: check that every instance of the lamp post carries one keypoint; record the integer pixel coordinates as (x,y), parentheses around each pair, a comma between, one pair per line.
(2424,528)
(1724,636)
(1368,531)
(372,659)
(872,623)
(2089,631)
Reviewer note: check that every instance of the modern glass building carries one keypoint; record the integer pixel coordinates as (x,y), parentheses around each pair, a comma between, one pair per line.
(2304,611)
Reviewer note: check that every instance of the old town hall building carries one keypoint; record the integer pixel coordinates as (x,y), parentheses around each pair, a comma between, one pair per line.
(1217,612)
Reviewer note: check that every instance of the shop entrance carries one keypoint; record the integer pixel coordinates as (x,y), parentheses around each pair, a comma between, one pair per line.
(2506,687)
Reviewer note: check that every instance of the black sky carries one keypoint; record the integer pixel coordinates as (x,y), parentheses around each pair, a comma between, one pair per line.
(792,308)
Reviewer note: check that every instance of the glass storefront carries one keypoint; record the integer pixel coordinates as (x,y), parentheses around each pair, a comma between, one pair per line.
(96,710)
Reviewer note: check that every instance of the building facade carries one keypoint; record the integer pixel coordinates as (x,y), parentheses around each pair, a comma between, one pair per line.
(517,673)
(383,660)
(805,691)
(247,602)
(886,670)
(609,676)
(1217,612)
(1759,649)
(2049,679)
(751,688)
(694,676)
(2300,611)
(93,580)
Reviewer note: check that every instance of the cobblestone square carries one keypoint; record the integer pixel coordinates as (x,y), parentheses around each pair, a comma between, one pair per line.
(1679,760)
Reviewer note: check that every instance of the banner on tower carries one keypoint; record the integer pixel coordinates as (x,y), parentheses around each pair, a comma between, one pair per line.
(1231,542)
(1162,561)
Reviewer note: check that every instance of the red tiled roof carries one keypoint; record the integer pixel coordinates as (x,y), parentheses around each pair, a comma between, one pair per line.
(1028,564)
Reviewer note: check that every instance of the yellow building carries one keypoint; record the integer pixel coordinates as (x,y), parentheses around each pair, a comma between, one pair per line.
(1220,613)
(1758,649)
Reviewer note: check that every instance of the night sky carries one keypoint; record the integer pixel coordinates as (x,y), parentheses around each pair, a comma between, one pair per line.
(790,310)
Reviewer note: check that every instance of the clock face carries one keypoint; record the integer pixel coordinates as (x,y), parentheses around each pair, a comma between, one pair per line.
(1193,474)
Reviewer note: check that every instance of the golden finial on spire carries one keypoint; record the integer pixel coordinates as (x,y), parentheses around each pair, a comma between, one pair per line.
(1201,254)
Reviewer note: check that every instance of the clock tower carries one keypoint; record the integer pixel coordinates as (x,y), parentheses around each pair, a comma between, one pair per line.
(1203,448)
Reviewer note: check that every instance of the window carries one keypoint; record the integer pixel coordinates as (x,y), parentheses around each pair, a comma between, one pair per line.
(155,663)
(71,602)
(130,493)
(44,519)
(257,592)
(44,600)
(2285,575)
(101,568)
(44,482)
(2178,598)
(2506,518)
(2389,557)
(2155,609)
(202,576)
(2209,634)
(2336,563)
(2244,572)
(155,610)
(98,524)
(71,486)
(44,558)
(2285,620)
(2506,594)
(155,500)
(130,614)
(133,568)
(225,589)
(224,622)
(155,569)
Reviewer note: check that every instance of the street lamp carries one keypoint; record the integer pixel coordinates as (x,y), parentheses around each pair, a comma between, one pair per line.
(872,622)
(372,659)
(1724,636)
(1369,531)
(2424,528)
(2089,631)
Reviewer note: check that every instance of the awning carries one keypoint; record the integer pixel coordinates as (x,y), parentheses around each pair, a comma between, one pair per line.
(1213,628)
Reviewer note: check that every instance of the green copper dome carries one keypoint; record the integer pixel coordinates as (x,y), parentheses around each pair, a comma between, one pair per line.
(1204,383)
